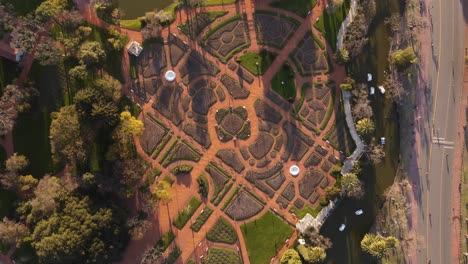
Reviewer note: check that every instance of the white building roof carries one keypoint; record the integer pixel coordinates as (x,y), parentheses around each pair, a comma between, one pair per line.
(135,48)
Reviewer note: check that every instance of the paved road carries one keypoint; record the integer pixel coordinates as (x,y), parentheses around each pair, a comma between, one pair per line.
(437,155)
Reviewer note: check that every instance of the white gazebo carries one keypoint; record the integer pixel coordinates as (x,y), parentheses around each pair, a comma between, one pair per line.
(170,76)
(135,48)
(294,170)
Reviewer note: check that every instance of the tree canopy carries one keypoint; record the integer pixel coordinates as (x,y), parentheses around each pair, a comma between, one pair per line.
(290,257)
(65,136)
(377,245)
(78,232)
(351,186)
(404,58)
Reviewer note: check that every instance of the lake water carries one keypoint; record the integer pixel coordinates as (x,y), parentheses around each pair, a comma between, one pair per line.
(137,8)
(346,245)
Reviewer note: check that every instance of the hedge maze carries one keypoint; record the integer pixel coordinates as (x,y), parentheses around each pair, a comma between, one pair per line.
(227,38)
(243,206)
(232,123)
(196,65)
(177,49)
(167,102)
(222,255)
(309,57)
(273,29)
(153,134)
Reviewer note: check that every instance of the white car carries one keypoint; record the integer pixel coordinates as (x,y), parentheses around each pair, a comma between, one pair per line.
(359,212)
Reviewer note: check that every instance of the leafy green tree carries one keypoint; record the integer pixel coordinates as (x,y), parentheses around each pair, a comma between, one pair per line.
(82,32)
(79,72)
(312,254)
(78,232)
(332,192)
(110,87)
(47,53)
(26,33)
(377,245)
(16,163)
(46,195)
(91,105)
(290,257)
(65,136)
(342,56)
(91,53)
(365,126)
(314,239)
(128,128)
(27,183)
(50,9)
(162,192)
(10,179)
(12,233)
(351,186)
(404,58)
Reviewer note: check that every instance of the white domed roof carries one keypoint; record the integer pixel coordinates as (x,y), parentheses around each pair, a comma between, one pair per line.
(170,76)
(294,170)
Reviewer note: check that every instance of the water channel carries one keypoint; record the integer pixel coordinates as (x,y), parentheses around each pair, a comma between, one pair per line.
(346,245)
(137,8)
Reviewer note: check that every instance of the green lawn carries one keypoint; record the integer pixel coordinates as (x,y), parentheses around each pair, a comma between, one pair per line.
(283,82)
(217,2)
(132,24)
(300,7)
(329,23)
(264,237)
(306,209)
(187,213)
(31,131)
(3,157)
(250,59)
(23,7)
(464,202)
(8,72)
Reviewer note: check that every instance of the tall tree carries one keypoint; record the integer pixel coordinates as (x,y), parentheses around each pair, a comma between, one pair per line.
(91,53)
(314,239)
(377,245)
(50,9)
(312,254)
(65,136)
(290,256)
(365,126)
(12,233)
(128,128)
(26,33)
(47,53)
(109,87)
(10,179)
(162,192)
(351,186)
(403,58)
(46,195)
(78,232)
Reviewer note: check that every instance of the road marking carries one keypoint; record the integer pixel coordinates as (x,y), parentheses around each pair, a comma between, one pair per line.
(443,142)
(447,147)
(433,117)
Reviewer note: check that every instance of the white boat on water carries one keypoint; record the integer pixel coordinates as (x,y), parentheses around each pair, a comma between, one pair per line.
(359,212)
(342,227)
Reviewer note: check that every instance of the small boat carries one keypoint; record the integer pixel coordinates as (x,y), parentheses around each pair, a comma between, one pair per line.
(342,227)
(382,140)
(382,89)
(369,77)
(359,212)
(372,91)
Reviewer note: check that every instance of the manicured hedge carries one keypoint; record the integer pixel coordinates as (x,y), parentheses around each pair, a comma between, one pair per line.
(187,213)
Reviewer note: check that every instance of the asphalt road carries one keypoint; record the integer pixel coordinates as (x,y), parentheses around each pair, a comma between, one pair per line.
(437,154)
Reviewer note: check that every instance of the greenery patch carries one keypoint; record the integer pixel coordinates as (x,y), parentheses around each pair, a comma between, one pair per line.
(250,60)
(329,23)
(222,232)
(201,219)
(283,82)
(300,7)
(274,232)
(187,213)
